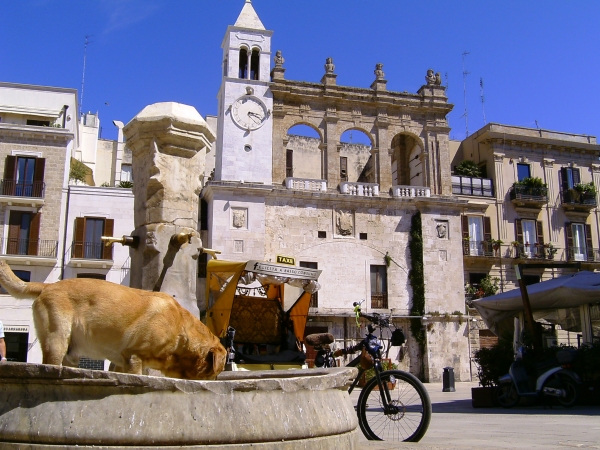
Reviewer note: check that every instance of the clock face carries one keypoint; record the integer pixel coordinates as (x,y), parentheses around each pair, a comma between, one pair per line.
(249,112)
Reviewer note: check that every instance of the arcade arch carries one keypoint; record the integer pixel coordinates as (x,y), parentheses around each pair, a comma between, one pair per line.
(407,161)
(304,152)
(356,161)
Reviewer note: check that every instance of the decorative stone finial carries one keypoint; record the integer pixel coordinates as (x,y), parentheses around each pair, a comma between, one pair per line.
(278,59)
(329,66)
(249,90)
(379,71)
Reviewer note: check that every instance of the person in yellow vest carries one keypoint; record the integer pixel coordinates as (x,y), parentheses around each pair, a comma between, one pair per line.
(2,344)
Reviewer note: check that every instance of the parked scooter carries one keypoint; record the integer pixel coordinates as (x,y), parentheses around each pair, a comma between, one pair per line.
(553,379)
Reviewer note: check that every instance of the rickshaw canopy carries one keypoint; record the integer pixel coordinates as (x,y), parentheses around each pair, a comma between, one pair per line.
(256,281)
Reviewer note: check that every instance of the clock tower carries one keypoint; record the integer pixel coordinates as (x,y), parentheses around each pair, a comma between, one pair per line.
(245,124)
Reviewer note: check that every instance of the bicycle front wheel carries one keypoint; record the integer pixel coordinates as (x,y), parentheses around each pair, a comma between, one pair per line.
(401,412)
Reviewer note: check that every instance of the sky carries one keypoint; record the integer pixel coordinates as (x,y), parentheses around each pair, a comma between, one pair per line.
(539,60)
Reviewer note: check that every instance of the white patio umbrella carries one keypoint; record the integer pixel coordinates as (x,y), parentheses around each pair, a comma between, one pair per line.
(567,291)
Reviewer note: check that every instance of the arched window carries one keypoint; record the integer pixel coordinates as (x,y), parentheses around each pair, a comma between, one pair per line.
(254,64)
(243,72)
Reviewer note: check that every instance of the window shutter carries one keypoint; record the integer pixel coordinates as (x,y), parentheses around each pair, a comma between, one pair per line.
(540,231)
(8,187)
(570,245)
(487,229)
(589,245)
(576,177)
(519,231)
(14,226)
(465,227)
(38,177)
(564,180)
(109,226)
(34,234)
(79,236)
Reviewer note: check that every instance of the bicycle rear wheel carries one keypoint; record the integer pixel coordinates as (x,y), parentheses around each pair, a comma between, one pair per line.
(408,411)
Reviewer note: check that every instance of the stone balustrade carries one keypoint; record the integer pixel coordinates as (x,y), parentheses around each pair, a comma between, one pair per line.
(360,189)
(305,184)
(411,191)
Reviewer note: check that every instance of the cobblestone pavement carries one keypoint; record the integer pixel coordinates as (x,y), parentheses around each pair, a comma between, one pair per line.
(455,424)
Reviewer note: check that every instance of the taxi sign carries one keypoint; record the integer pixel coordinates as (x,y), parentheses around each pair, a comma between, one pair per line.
(286,260)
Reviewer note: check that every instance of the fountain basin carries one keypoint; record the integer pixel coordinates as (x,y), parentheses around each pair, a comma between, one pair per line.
(50,407)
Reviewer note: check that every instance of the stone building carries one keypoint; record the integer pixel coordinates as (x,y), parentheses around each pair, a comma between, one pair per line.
(510,218)
(344,209)
(50,228)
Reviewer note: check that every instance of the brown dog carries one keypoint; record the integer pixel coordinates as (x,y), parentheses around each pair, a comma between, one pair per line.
(132,328)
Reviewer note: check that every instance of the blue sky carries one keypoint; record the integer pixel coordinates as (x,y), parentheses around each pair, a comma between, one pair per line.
(539,60)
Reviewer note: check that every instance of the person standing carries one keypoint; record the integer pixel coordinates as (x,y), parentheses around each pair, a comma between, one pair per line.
(2,344)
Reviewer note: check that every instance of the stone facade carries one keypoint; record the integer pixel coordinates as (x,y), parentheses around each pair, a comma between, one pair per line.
(348,221)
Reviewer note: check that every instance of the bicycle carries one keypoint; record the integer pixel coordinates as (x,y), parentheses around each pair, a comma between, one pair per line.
(393,405)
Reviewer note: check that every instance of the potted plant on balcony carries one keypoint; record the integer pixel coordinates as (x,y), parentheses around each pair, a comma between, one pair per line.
(468,168)
(532,186)
(550,250)
(496,243)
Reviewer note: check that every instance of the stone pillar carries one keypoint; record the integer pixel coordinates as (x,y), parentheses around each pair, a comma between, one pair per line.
(500,193)
(332,156)
(382,154)
(549,180)
(169,142)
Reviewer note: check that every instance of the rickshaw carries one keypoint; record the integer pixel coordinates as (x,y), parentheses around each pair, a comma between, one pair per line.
(266,304)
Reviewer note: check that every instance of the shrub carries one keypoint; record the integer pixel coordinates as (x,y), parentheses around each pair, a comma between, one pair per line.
(125,184)
(78,171)
(493,362)
(386,365)
(468,168)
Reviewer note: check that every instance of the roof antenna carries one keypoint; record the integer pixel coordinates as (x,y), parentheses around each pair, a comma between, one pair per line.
(87,41)
(482,99)
(466,113)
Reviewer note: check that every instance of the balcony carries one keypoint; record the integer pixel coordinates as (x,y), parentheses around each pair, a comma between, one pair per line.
(379,301)
(480,248)
(30,251)
(583,254)
(478,187)
(359,189)
(410,191)
(530,197)
(306,184)
(91,255)
(537,251)
(21,189)
(573,200)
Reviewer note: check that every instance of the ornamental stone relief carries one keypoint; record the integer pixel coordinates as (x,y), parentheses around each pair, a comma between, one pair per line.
(344,223)
(239,217)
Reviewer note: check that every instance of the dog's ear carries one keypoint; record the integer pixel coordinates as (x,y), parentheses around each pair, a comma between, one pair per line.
(219,358)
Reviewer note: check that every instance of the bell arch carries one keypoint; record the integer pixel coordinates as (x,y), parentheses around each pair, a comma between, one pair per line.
(407,162)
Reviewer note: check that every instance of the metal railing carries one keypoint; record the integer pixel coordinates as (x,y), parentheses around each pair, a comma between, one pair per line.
(583,254)
(480,248)
(14,188)
(537,251)
(537,194)
(91,250)
(379,300)
(573,197)
(31,247)
(481,187)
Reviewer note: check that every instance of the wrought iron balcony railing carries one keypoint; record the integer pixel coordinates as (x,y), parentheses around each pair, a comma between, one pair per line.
(480,187)
(16,188)
(584,254)
(31,247)
(379,300)
(578,199)
(91,250)
(480,248)
(528,194)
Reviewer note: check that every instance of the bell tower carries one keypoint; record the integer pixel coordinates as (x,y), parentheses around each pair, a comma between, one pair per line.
(245,124)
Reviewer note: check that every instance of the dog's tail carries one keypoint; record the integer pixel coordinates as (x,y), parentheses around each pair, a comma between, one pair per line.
(17,287)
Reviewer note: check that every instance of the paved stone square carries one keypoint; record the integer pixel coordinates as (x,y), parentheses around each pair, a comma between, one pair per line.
(455,424)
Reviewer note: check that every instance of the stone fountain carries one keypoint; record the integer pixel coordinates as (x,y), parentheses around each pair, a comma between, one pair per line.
(47,407)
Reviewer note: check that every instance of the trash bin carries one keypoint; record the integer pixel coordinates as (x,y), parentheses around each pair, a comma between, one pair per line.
(448,380)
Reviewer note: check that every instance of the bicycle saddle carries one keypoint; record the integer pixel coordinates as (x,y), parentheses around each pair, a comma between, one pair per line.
(317,339)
